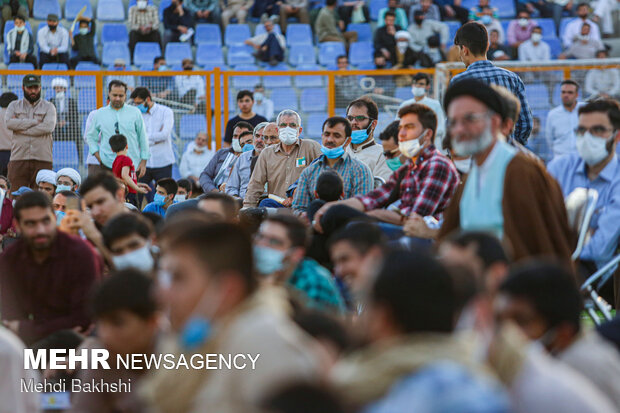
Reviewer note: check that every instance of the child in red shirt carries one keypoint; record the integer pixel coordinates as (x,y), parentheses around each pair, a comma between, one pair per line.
(123,168)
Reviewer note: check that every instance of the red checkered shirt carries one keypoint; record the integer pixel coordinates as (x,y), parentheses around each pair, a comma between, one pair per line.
(426,188)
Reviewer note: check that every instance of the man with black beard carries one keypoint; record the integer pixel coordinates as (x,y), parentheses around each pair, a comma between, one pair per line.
(32,121)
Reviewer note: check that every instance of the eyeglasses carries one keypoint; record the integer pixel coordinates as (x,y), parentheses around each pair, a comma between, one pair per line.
(116,128)
(291,125)
(467,120)
(359,118)
(596,130)
(391,154)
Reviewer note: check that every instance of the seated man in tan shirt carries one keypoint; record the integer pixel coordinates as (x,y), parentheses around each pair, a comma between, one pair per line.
(280,165)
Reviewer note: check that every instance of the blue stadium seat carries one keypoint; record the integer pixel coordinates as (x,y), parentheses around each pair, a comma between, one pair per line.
(240,55)
(311,80)
(403,93)
(537,95)
(176,52)
(208,34)
(284,99)
(207,55)
(384,120)
(16,80)
(367,66)
(114,32)
(564,22)
(133,3)
(329,51)
(113,51)
(298,33)
(313,100)
(191,125)
(542,115)
(361,52)
(163,4)
(364,32)
(556,97)
(87,66)
(85,81)
(555,45)
(260,29)
(314,123)
(65,155)
(41,8)
(245,82)
(111,10)
(236,34)
(505,8)
(374,7)
(301,54)
(276,81)
(46,81)
(73,7)
(548,28)
(145,53)
(87,100)
(453,27)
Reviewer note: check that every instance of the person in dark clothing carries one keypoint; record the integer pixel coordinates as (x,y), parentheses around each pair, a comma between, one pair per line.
(84,42)
(385,42)
(245,101)
(160,86)
(269,45)
(178,21)
(268,8)
(345,12)
(19,43)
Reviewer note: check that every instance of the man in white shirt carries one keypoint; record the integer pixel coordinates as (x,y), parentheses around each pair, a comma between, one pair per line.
(191,88)
(120,66)
(563,119)
(573,28)
(196,157)
(53,42)
(262,105)
(534,49)
(159,122)
(420,88)
(363,114)
(270,46)
(602,82)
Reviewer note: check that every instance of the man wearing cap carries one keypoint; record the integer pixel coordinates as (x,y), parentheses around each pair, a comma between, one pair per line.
(68,179)
(53,42)
(67,120)
(46,182)
(32,121)
(506,192)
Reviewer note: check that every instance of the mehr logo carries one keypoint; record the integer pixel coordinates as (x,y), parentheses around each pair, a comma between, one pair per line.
(58,358)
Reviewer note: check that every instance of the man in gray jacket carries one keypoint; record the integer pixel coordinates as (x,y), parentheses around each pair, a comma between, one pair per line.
(32,121)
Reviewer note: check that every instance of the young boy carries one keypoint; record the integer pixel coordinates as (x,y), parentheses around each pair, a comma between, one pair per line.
(123,168)
(329,187)
(165,191)
(83,42)
(184,191)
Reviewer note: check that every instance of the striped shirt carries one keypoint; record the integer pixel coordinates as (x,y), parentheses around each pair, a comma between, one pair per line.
(356,177)
(487,72)
(145,17)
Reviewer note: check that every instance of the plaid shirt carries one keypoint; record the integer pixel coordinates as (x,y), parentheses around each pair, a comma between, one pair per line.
(487,72)
(426,187)
(317,285)
(147,17)
(356,178)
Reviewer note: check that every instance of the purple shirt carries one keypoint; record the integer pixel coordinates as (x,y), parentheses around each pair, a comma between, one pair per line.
(517,33)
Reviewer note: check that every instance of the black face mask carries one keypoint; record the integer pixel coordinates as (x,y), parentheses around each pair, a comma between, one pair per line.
(188,68)
(52,27)
(418,20)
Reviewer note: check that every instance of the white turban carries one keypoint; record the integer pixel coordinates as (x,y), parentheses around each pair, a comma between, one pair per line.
(59,81)
(403,34)
(46,175)
(71,173)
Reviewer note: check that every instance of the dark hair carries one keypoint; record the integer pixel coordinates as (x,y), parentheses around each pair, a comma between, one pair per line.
(418,290)
(329,186)
(570,82)
(303,397)
(330,2)
(390,132)
(30,200)
(582,5)
(126,290)
(296,230)
(425,115)
(549,288)
(369,104)
(67,194)
(64,339)
(245,133)
(158,59)
(585,24)
(118,143)
(474,36)
(169,184)
(488,247)
(124,225)
(155,220)
(361,235)
(103,179)
(244,125)
(116,83)
(8,183)
(6,98)
(231,207)
(609,106)
(20,17)
(335,120)
(389,13)
(537,27)
(321,325)
(140,92)
(422,75)
(378,54)
(222,248)
(185,184)
(244,93)
(342,56)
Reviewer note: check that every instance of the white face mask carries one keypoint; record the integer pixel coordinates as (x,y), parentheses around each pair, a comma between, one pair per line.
(141,4)
(470,148)
(592,149)
(462,165)
(180,198)
(288,135)
(258,96)
(418,91)
(20,28)
(523,22)
(236,146)
(536,37)
(60,95)
(402,46)
(411,147)
(140,259)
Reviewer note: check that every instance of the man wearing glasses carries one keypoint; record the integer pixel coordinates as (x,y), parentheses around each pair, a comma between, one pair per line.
(362,113)
(596,166)
(118,118)
(279,166)
(506,192)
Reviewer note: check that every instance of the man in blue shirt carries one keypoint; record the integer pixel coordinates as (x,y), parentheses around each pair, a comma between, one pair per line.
(472,40)
(165,192)
(596,166)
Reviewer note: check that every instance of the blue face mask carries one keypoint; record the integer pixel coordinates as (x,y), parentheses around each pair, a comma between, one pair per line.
(143,108)
(59,216)
(267,260)
(195,333)
(359,136)
(394,163)
(248,147)
(486,19)
(159,200)
(61,188)
(333,153)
